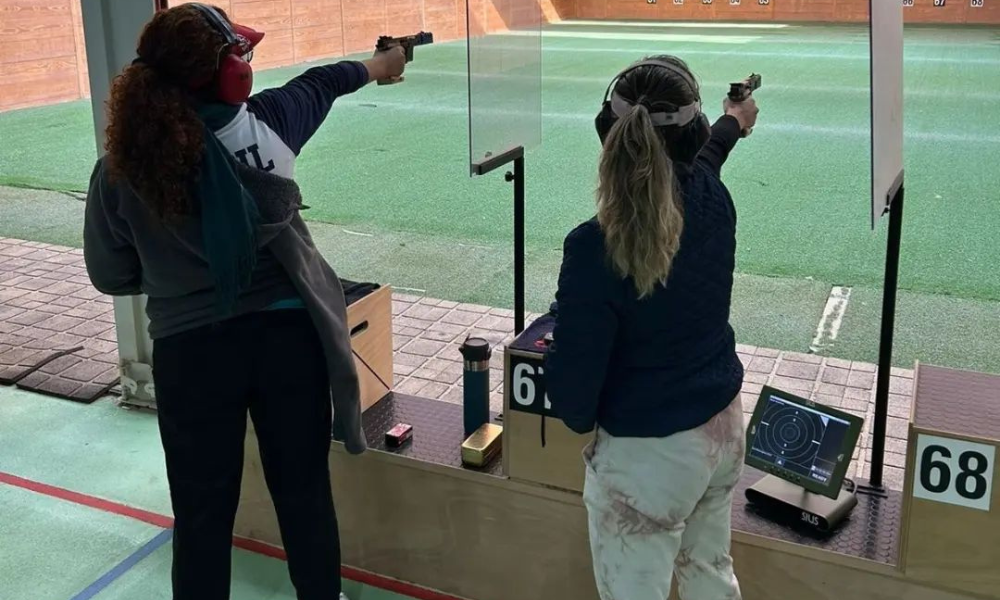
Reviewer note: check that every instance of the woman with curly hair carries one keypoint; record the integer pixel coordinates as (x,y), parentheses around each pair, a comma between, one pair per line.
(194,205)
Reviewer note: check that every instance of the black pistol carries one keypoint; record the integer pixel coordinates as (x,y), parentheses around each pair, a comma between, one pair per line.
(739,92)
(407,42)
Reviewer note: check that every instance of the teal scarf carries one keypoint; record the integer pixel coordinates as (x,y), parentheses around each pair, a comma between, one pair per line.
(229,215)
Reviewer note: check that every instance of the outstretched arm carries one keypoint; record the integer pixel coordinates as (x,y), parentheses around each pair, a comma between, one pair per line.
(297,109)
(725,134)
(740,116)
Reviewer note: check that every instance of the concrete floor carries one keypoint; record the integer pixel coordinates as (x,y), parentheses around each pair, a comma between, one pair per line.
(52,547)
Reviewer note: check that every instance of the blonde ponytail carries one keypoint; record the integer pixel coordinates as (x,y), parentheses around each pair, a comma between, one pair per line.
(639,206)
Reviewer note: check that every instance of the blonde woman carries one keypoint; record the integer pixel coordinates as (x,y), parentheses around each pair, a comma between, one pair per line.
(643,350)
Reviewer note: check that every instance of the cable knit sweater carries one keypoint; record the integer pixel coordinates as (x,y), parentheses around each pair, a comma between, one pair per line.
(668,362)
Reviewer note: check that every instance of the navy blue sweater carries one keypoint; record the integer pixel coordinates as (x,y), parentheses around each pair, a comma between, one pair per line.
(666,363)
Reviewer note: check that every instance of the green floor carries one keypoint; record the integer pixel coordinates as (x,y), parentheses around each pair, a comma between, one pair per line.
(391,165)
(52,549)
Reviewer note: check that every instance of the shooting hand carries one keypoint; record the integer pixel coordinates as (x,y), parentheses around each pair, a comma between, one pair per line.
(387,65)
(745,112)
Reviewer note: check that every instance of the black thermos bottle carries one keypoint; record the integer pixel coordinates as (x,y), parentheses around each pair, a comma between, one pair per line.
(476,384)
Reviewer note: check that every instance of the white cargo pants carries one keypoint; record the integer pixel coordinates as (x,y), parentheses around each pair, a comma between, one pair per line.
(660,506)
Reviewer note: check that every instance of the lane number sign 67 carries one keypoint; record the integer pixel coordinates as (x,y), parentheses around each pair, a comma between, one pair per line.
(954,472)
(526,386)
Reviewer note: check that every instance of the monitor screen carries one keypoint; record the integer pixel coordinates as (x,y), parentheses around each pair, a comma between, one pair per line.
(806,443)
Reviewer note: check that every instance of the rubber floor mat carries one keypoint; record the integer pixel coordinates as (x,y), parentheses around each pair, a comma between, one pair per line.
(20,362)
(57,333)
(62,387)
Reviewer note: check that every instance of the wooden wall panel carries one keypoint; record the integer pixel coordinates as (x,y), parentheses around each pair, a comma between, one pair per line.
(226,5)
(631,9)
(830,11)
(30,83)
(42,37)
(745,10)
(685,11)
(403,17)
(589,9)
(496,15)
(83,73)
(446,19)
(988,13)
(318,29)
(853,11)
(461,19)
(364,21)
(38,57)
(555,10)
(805,10)
(274,18)
(924,11)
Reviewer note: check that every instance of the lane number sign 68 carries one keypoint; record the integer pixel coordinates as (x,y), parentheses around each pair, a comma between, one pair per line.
(977,3)
(954,472)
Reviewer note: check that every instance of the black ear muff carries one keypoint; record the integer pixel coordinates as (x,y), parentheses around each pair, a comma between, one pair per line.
(604,121)
(690,140)
(684,131)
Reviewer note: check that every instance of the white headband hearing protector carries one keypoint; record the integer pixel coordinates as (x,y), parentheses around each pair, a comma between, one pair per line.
(680,117)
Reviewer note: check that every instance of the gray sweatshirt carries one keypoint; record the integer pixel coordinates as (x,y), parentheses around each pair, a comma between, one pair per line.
(129,251)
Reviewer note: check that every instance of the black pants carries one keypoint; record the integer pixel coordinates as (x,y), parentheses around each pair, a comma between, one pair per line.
(270,363)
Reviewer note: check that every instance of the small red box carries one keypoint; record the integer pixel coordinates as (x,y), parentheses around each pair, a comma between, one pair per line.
(398,435)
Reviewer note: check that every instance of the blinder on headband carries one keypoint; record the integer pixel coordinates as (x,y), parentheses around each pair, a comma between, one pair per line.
(680,117)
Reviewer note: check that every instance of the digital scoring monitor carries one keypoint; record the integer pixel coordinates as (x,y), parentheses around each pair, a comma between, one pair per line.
(808,444)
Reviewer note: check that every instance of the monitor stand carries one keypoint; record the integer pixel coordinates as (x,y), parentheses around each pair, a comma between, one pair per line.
(792,505)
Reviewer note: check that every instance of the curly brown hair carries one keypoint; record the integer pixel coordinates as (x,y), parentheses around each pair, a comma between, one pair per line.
(155,139)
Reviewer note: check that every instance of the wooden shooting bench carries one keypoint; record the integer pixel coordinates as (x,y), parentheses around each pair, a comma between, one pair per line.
(517,529)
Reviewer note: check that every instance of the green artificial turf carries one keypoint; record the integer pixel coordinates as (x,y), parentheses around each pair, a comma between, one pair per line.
(396,157)
(41,216)
(391,163)
(934,329)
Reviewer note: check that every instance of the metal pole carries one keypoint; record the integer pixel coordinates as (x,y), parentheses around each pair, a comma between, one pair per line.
(110,31)
(487,165)
(518,245)
(885,339)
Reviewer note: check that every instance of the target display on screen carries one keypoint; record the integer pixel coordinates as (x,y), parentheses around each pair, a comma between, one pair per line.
(801,441)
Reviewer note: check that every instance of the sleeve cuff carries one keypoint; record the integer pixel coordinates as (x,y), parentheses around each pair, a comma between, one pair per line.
(356,76)
(727,128)
(361,71)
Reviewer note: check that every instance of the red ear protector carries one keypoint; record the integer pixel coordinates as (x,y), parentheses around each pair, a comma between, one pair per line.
(684,131)
(233,75)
